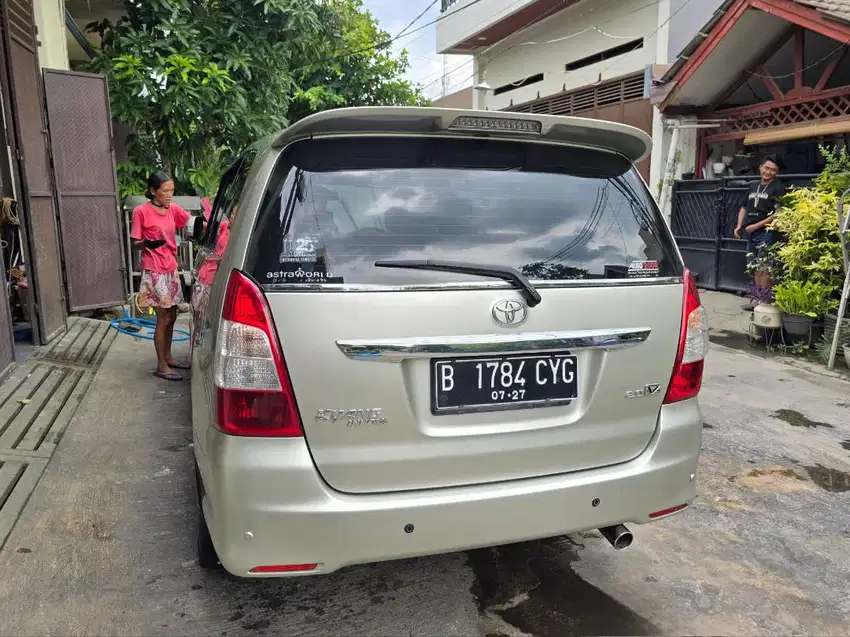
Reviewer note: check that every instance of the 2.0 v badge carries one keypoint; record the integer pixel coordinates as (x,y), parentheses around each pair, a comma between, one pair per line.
(648,390)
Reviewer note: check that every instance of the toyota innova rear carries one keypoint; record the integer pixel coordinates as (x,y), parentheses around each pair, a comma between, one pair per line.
(432,331)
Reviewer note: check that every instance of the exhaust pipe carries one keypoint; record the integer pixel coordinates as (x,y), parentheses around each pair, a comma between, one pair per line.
(618,536)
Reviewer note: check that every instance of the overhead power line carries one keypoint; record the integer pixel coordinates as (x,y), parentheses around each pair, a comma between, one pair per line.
(382,45)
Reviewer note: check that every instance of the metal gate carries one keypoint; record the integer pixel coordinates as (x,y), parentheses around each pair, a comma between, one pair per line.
(703,218)
(87,189)
(7,343)
(694,219)
(30,149)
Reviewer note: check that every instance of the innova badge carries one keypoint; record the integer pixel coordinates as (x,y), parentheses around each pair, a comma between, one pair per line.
(510,312)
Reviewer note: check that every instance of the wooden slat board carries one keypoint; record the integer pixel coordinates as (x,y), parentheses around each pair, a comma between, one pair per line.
(18,479)
(37,403)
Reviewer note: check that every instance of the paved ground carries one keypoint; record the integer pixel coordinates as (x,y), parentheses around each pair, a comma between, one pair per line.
(36,404)
(105,544)
(730,325)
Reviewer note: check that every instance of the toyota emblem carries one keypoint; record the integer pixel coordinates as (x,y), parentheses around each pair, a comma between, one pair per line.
(510,312)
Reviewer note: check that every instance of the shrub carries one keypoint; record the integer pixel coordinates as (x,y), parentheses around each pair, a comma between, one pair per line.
(811,247)
(799,298)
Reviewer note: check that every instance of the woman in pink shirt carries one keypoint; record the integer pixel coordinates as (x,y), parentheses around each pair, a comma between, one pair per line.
(154,232)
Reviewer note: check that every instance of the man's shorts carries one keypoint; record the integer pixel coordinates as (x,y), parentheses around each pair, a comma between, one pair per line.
(757,244)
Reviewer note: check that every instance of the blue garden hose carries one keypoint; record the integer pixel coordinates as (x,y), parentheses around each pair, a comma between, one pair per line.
(136,327)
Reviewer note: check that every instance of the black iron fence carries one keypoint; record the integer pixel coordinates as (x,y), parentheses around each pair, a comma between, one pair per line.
(703,218)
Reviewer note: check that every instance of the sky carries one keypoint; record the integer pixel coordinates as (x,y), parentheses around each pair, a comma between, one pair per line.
(426,67)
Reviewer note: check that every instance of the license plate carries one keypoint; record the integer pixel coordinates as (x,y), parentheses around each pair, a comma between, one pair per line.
(503,382)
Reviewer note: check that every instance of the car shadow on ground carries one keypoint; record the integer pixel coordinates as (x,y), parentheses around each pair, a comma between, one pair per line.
(532,587)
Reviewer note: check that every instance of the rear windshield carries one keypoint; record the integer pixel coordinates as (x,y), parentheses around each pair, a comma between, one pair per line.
(335,207)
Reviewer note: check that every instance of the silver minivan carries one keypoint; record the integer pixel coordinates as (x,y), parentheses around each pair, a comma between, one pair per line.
(423,330)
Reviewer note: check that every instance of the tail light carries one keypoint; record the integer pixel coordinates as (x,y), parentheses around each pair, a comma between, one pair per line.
(254,395)
(693,347)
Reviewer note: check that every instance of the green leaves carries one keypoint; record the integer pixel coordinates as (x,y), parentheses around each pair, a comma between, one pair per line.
(200,80)
(810,254)
(835,177)
(811,249)
(802,298)
(359,70)
(132,178)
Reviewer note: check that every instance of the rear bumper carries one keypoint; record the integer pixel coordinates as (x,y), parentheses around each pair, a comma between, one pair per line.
(265,504)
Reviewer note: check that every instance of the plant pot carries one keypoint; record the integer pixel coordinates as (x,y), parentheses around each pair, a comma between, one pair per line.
(767,316)
(846,348)
(816,333)
(796,325)
(762,279)
(830,321)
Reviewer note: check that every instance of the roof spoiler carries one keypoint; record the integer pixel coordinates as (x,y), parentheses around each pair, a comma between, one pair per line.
(620,138)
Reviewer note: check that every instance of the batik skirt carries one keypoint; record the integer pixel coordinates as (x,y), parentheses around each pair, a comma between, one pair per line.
(160,289)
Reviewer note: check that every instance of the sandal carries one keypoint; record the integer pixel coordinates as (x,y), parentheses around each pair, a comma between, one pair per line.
(172,376)
(183,366)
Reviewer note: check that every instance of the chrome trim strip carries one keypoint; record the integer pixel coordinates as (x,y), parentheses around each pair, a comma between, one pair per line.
(398,349)
(480,285)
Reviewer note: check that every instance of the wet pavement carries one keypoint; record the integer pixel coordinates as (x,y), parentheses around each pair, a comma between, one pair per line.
(105,544)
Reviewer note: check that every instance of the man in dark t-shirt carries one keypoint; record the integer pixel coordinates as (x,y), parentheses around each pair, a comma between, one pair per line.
(756,215)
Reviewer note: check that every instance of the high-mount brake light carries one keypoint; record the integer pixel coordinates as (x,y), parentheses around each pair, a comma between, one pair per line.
(466,122)
(254,395)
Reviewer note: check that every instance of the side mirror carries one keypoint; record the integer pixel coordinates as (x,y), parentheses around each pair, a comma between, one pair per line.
(197,232)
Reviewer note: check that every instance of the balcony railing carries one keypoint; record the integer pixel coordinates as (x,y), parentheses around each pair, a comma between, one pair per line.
(448,4)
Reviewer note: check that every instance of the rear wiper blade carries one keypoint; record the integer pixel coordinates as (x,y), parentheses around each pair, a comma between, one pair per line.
(511,275)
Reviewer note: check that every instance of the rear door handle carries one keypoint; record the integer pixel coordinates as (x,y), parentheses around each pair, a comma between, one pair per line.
(397,349)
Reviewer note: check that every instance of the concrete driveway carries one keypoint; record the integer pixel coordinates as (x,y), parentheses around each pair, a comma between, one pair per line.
(105,544)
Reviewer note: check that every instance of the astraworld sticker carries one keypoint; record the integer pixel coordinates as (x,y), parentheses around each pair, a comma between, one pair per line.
(639,269)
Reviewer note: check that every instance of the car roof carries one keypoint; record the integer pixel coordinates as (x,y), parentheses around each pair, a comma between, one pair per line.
(612,136)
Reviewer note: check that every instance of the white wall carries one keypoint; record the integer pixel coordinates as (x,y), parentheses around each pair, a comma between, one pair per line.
(683,158)
(689,16)
(472,19)
(458,99)
(50,20)
(512,60)
(662,41)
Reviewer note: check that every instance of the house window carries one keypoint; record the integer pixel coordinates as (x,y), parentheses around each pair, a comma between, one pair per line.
(608,54)
(531,79)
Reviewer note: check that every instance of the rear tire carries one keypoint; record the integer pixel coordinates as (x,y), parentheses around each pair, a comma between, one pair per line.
(207,556)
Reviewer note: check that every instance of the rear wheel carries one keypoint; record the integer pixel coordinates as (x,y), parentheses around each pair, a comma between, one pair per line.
(207,556)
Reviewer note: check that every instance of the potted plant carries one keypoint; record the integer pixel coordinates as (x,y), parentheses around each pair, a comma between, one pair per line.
(761,267)
(801,302)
